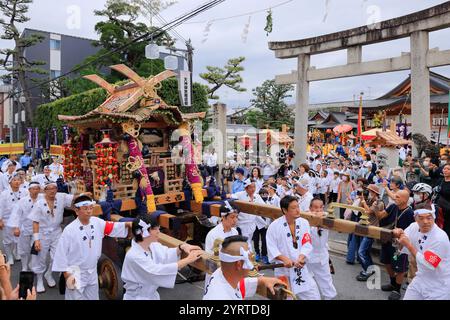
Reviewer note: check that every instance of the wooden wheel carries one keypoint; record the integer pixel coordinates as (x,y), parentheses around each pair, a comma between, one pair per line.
(109,278)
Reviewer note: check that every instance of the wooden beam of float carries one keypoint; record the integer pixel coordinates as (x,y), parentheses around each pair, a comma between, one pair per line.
(339,225)
(207,263)
(165,220)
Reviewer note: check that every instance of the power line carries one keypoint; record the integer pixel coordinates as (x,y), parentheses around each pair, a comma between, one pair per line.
(243,14)
(146,37)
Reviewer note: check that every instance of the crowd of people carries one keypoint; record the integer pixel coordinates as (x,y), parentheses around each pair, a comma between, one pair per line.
(393,198)
(412,199)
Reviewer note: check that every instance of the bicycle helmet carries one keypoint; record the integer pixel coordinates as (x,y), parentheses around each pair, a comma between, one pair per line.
(422,187)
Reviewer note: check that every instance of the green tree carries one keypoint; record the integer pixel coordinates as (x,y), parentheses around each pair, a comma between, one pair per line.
(151,8)
(18,67)
(271,110)
(120,27)
(378,119)
(228,76)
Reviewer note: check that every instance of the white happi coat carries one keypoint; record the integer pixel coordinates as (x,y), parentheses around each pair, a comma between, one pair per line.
(219,288)
(143,272)
(318,263)
(57,170)
(262,222)
(4,181)
(49,227)
(279,242)
(246,221)
(216,233)
(80,247)
(19,219)
(432,280)
(304,201)
(8,199)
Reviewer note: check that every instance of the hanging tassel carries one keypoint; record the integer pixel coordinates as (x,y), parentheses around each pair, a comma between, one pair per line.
(206,31)
(269,22)
(244,34)
(327,9)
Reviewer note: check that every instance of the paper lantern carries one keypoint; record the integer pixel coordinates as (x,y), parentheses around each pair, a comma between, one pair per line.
(171,63)
(152,51)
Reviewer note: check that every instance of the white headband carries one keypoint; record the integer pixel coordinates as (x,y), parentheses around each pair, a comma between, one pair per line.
(145,228)
(50,184)
(84,203)
(425,211)
(229,207)
(245,256)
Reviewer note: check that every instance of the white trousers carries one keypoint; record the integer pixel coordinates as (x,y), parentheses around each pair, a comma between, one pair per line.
(24,250)
(89,292)
(247,230)
(8,236)
(418,290)
(48,244)
(311,294)
(322,275)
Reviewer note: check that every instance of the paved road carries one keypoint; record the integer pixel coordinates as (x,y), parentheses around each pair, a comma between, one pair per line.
(344,279)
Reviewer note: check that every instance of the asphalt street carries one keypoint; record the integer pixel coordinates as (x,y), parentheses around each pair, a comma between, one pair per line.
(347,286)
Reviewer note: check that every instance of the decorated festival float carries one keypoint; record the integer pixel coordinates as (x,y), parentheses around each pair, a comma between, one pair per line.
(134,153)
(131,134)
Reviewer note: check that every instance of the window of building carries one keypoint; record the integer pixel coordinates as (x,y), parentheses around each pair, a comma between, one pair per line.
(55,73)
(55,44)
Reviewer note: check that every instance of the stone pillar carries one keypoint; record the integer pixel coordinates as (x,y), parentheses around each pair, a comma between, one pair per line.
(354,54)
(420,85)
(222,127)
(301,110)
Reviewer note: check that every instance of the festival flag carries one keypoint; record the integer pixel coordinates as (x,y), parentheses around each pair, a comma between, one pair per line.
(360,127)
(29,138)
(36,138)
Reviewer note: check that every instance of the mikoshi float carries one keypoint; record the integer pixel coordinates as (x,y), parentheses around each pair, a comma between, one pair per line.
(134,153)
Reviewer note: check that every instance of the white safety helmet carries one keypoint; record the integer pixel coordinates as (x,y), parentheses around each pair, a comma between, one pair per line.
(422,187)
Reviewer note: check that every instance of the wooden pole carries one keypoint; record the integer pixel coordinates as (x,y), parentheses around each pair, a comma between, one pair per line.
(339,225)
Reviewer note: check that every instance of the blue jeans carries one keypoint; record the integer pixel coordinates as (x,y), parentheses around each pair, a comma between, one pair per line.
(364,252)
(353,242)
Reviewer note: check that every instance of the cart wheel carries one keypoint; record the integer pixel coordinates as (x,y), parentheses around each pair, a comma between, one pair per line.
(109,278)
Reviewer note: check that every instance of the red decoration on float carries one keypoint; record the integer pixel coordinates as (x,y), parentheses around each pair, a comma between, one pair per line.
(72,161)
(106,162)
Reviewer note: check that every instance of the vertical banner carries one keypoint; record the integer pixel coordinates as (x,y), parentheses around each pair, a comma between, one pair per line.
(29,138)
(65,133)
(185,88)
(36,138)
(47,139)
(55,136)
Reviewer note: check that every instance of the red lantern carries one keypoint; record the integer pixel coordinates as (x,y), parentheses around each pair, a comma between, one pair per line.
(246,142)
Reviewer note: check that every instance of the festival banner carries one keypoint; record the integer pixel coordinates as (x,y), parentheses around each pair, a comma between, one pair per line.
(36,138)
(47,139)
(29,138)
(65,133)
(55,136)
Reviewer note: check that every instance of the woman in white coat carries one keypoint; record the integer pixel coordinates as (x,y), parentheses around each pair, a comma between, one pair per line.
(149,265)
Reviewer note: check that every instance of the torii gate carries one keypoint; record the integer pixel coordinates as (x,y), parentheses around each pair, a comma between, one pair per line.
(416,26)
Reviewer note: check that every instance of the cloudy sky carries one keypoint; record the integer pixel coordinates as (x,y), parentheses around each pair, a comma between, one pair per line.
(295,19)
